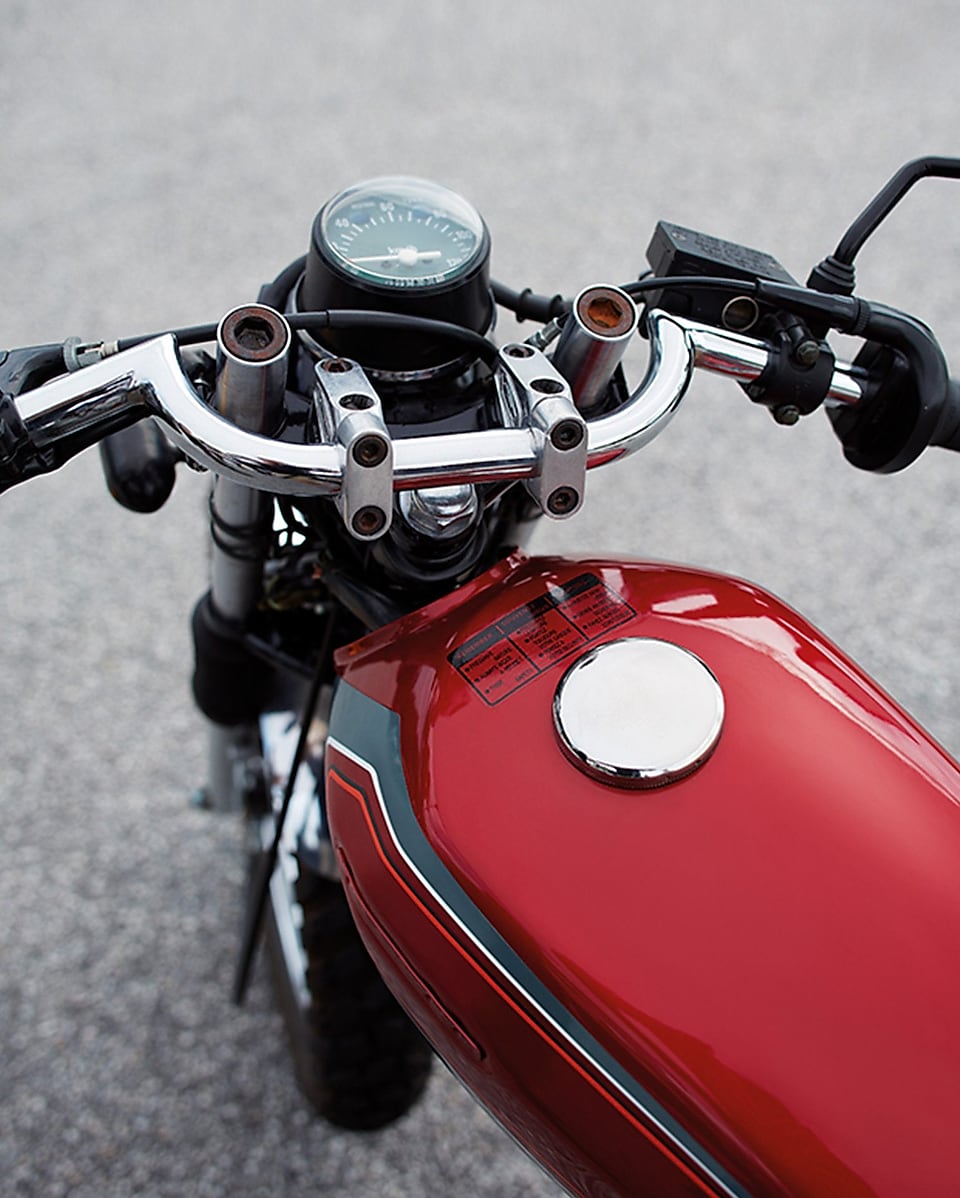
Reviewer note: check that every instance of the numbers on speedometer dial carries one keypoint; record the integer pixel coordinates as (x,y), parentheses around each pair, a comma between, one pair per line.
(399,232)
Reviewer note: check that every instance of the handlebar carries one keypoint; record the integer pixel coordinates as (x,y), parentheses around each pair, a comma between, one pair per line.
(555,418)
(71,412)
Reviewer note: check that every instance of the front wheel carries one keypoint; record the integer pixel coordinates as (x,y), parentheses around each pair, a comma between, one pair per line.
(358,1058)
(364,1063)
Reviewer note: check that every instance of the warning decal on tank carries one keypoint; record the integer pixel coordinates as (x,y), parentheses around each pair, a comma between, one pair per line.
(530,639)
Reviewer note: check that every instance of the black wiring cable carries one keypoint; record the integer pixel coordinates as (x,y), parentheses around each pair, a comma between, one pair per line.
(350,318)
(527,305)
(344,318)
(196,334)
(274,294)
(845,313)
(842,311)
(267,860)
(651,282)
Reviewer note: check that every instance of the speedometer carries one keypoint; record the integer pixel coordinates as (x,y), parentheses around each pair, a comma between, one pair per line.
(405,246)
(399,232)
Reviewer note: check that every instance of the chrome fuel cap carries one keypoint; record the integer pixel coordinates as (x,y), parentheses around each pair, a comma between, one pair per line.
(638,712)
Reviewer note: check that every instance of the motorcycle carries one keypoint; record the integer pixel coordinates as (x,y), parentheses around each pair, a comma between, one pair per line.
(655,869)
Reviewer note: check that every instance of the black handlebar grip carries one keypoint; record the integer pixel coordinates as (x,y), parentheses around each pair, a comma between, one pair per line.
(13,443)
(906,402)
(948,428)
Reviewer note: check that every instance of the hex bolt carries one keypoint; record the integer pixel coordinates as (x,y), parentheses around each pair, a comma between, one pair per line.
(786,414)
(606,312)
(603,312)
(562,501)
(368,521)
(254,333)
(566,434)
(807,352)
(518,351)
(336,365)
(369,450)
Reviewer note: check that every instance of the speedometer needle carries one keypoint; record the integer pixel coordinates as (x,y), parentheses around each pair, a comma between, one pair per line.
(408,256)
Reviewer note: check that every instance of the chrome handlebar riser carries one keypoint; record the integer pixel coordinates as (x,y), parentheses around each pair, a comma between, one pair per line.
(536,395)
(349,412)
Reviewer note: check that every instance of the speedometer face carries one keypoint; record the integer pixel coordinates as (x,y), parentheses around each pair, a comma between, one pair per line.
(402,232)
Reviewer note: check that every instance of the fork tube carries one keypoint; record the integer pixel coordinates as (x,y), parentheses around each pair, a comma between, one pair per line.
(253,343)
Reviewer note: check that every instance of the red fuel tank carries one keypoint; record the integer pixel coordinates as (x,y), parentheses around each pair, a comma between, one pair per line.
(687,923)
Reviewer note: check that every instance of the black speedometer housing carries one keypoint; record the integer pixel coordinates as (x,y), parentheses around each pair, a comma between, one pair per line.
(402,245)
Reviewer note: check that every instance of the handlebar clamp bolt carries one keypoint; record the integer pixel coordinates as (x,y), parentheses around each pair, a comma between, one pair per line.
(370,450)
(563,500)
(368,521)
(567,434)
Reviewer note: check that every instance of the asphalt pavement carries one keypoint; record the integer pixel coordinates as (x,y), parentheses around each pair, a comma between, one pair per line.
(158,163)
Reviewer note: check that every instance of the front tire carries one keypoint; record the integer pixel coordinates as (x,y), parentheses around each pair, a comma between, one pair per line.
(358,1058)
(361,1062)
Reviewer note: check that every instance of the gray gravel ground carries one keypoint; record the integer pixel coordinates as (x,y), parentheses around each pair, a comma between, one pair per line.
(158,163)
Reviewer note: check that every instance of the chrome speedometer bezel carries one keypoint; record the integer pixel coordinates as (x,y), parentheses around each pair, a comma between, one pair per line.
(424,209)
